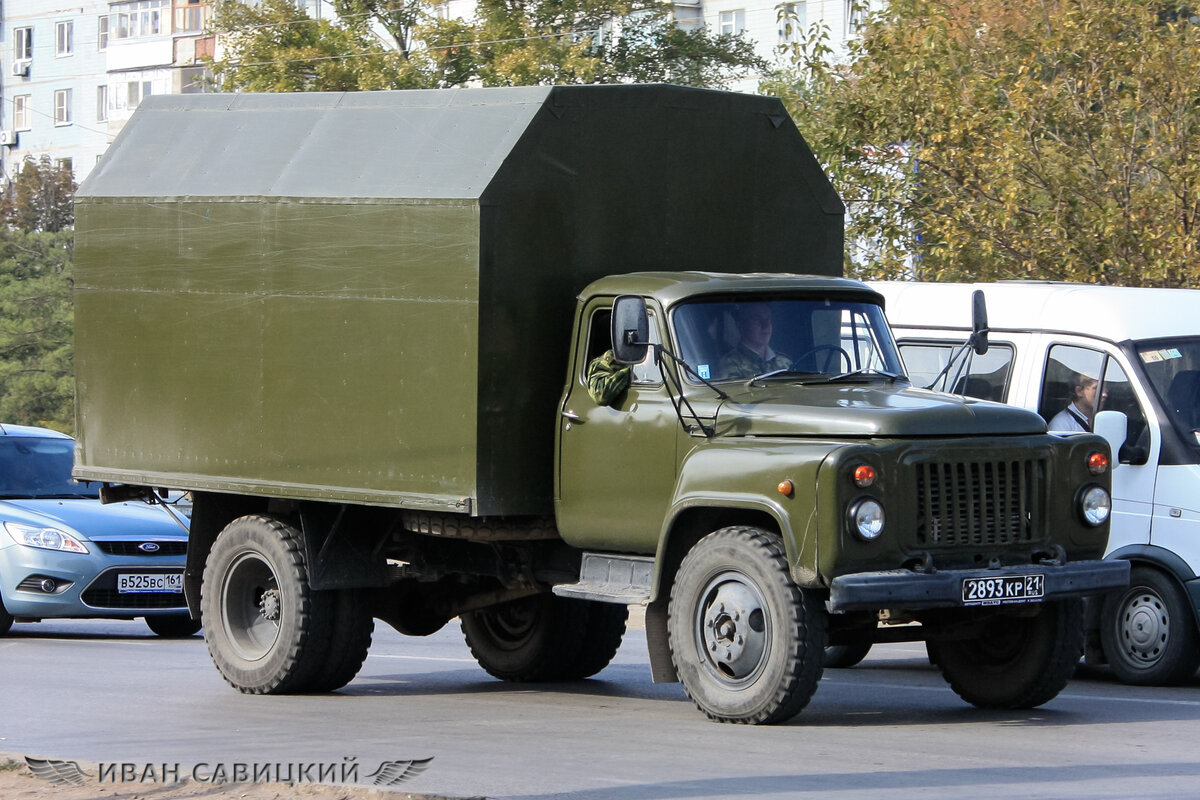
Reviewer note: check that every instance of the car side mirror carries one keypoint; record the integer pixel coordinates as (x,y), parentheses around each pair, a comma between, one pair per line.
(1113,427)
(630,330)
(979,323)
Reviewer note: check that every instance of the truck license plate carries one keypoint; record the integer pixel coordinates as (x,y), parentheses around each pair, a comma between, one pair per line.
(147,583)
(1006,589)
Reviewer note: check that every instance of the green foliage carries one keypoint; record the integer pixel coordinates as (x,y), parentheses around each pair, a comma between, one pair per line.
(1052,139)
(37,384)
(40,197)
(273,46)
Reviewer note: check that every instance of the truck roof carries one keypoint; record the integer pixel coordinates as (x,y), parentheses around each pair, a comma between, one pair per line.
(672,287)
(1116,313)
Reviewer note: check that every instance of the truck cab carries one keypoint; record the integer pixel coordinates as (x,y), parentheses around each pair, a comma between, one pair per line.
(1141,361)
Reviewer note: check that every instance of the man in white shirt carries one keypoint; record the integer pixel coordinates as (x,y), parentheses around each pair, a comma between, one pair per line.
(1077,416)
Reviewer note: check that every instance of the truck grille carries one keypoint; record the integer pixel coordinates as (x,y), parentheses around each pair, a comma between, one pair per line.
(964,503)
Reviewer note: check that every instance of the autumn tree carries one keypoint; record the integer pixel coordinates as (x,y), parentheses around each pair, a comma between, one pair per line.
(1055,139)
(40,197)
(36,342)
(377,44)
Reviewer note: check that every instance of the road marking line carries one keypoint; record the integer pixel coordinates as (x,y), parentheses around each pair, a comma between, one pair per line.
(423,658)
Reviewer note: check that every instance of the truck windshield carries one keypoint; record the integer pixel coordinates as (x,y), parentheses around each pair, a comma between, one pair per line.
(1173,367)
(32,467)
(743,338)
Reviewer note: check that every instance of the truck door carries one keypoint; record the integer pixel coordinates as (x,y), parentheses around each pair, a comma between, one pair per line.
(1133,480)
(617,461)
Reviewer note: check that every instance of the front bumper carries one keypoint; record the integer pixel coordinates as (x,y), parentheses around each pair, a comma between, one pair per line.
(905,589)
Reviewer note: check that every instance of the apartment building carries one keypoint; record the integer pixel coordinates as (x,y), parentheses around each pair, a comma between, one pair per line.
(72,75)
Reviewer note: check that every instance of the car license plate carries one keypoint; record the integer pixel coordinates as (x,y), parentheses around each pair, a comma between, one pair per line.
(149,583)
(1001,590)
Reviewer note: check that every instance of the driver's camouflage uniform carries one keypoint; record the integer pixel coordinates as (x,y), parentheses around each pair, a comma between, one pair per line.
(742,363)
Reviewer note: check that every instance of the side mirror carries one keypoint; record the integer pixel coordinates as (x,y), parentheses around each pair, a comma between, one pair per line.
(1113,426)
(979,323)
(630,330)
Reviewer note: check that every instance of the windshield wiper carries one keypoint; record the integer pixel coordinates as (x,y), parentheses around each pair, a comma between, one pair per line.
(776,373)
(867,372)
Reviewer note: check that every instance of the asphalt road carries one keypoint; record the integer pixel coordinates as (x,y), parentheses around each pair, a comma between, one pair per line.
(111,692)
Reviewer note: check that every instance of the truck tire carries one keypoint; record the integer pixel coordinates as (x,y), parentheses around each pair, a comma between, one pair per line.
(266,630)
(537,638)
(746,642)
(348,643)
(1148,631)
(844,656)
(173,626)
(1015,661)
(604,631)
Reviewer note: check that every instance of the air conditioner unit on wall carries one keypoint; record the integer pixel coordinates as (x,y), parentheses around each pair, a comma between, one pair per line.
(8,138)
(21,68)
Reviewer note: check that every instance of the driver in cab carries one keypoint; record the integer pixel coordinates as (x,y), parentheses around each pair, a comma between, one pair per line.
(753,354)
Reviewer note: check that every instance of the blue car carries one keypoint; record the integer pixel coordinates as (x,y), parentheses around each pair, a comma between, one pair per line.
(64,554)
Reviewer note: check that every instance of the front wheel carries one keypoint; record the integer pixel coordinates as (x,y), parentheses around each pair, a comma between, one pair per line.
(266,630)
(1017,659)
(6,619)
(173,626)
(1148,631)
(746,642)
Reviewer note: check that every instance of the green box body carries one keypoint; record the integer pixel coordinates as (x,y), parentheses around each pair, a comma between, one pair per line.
(368,297)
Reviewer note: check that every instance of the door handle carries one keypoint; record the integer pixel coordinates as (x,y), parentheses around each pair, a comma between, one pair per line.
(571,416)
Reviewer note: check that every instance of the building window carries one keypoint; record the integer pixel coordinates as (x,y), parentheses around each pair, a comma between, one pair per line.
(792,22)
(23,44)
(135,92)
(62,107)
(21,112)
(102,32)
(732,22)
(856,16)
(139,20)
(101,103)
(191,17)
(64,38)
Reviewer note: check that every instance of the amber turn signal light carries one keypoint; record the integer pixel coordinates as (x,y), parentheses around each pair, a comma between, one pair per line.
(786,488)
(864,476)
(1097,463)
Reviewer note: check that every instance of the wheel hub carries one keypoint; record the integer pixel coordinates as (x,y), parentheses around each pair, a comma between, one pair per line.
(268,605)
(1145,627)
(733,630)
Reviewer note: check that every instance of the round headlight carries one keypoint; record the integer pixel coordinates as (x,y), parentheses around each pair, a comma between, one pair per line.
(1095,505)
(867,518)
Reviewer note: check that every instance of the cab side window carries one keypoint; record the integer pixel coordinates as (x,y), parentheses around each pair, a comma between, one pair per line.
(600,340)
(1080,381)
(986,377)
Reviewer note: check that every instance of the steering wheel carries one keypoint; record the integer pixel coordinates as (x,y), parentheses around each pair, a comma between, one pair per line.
(829,350)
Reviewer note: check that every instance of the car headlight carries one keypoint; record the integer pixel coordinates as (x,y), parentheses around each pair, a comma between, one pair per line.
(44,538)
(1095,505)
(866,518)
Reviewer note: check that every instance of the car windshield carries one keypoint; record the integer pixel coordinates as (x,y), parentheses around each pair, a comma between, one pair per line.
(39,467)
(1173,367)
(791,338)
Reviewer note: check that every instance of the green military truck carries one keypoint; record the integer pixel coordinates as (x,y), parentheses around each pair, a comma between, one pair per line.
(357,328)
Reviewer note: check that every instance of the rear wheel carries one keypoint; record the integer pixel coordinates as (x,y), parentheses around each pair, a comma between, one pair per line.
(746,642)
(266,630)
(844,656)
(605,629)
(173,626)
(535,638)
(348,643)
(1017,659)
(1148,631)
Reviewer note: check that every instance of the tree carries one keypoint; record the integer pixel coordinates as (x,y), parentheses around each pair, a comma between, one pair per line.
(36,343)
(40,197)
(1025,139)
(379,44)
